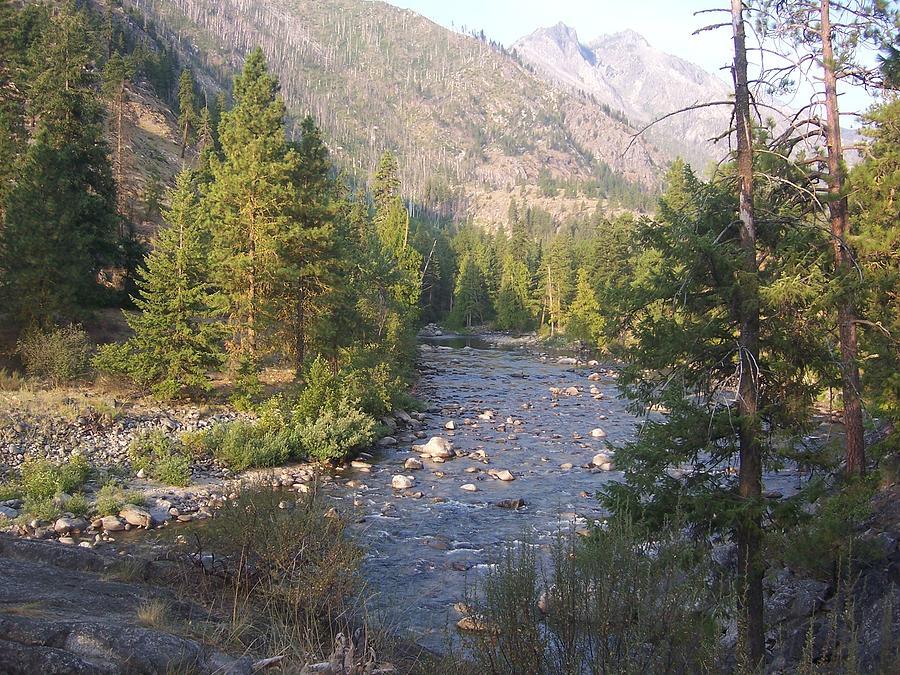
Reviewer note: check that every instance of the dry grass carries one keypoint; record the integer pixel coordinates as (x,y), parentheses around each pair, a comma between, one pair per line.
(154,613)
(29,610)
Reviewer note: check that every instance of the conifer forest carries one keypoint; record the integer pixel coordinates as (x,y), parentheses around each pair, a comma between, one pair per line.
(337,340)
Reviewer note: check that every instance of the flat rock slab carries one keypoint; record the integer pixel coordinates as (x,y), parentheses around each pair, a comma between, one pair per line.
(59,613)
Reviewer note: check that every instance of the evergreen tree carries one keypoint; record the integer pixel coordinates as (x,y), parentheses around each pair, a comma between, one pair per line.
(176,334)
(307,269)
(874,204)
(250,204)
(469,298)
(187,113)
(60,220)
(584,321)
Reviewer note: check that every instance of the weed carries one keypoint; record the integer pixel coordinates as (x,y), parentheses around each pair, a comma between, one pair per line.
(59,355)
(154,614)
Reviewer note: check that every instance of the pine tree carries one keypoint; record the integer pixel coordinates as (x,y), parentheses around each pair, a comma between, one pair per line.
(584,321)
(470,296)
(874,205)
(60,221)
(250,205)
(187,113)
(177,333)
(307,269)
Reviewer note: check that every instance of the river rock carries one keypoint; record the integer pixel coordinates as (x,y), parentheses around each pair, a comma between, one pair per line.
(469,487)
(67,525)
(413,464)
(473,624)
(511,503)
(450,426)
(136,516)
(387,442)
(402,482)
(436,447)
(567,361)
(357,464)
(594,377)
(571,391)
(486,415)
(112,524)
(7,513)
(603,462)
(566,466)
(598,433)
(503,475)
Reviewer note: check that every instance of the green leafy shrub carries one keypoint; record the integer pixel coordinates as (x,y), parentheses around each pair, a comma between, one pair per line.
(245,445)
(10,490)
(42,479)
(111,497)
(160,457)
(41,508)
(59,355)
(336,433)
(77,505)
(320,388)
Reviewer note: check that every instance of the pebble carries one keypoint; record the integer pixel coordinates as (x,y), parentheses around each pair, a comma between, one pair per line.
(469,487)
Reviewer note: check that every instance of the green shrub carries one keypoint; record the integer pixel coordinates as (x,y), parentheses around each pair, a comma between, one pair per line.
(161,458)
(42,479)
(59,355)
(338,431)
(615,602)
(77,505)
(245,445)
(112,497)
(42,508)
(320,388)
(11,490)
(828,542)
(173,469)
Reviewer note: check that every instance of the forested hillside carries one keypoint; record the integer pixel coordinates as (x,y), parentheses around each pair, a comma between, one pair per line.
(464,118)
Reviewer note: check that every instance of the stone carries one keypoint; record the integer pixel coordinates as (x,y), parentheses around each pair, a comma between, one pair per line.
(469,487)
(503,475)
(450,426)
(543,603)
(357,464)
(142,474)
(511,503)
(413,464)
(473,624)
(486,415)
(68,525)
(567,361)
(566,466)
(598,433)
(7,513)
(387,442)
(436,447)
(136,516)
(402,482)
(571,391)
(594,377)
(113,524)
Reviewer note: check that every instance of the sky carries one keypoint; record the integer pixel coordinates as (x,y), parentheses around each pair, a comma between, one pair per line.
(666,24)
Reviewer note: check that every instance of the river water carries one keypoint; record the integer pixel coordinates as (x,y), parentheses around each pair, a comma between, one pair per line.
(422,552)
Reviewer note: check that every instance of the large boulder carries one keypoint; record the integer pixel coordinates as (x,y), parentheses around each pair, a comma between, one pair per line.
(436,447)
(136,516)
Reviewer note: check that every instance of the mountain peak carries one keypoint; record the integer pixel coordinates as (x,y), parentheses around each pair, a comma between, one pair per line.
(625,38)
(560,33)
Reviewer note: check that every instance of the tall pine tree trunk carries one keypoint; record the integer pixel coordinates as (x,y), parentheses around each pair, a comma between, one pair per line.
(749,531)
(843,257)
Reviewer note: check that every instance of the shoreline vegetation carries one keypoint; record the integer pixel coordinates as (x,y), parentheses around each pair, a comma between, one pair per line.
(200,352)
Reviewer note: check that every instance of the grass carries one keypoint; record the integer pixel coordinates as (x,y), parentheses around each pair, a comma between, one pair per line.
(30,610)
(42,479)
(154,613)
(161,457)
(111,497)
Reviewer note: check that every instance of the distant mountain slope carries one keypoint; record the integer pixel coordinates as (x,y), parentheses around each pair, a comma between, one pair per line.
(626,73)
(462,116)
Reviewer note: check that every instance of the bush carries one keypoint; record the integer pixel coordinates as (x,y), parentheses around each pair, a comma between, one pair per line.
(336,433)
(615,602)
(161,458)
(59,355)
(77,505)
(42,479)
(112,497)
(246,445)
(288,573)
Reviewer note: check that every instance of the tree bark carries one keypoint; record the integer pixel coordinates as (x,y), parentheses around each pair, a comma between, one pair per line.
(843,257)
(749,529)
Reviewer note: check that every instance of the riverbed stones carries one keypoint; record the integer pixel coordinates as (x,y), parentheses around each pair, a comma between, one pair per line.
(565,466)
(513,504)
(7,513)
(469,487)
(387,442)
(362,466)
(68,525)
(504,475)
(413,464)
(436,447)
(112,524)
(594,377)
(603,462)
(598,433)
(402,482)
(450,426)
(487,415)
(136,516)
